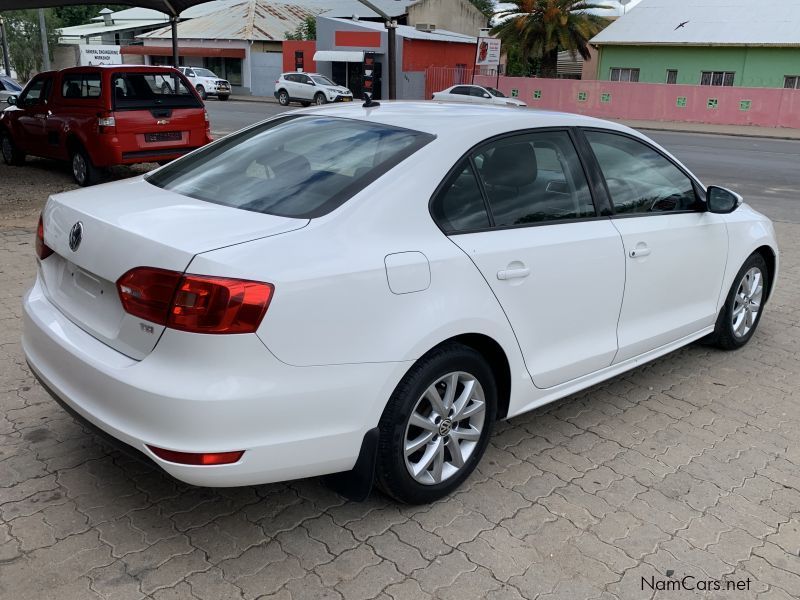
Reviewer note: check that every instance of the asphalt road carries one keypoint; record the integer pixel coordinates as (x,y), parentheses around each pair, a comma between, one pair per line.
(765,171)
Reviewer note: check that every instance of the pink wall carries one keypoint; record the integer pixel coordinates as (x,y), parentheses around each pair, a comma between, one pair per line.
(768,107)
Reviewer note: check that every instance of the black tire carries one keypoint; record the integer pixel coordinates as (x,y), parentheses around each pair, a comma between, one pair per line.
(83,171)
(223,97)
(392,473)
(202,92)
(319,98)
(12,155)
(166,89)
(283,98)
(725,336)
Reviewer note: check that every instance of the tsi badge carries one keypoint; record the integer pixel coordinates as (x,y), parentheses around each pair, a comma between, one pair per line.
(75,236)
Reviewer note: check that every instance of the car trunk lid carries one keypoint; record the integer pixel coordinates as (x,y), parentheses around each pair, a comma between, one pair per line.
(127,225)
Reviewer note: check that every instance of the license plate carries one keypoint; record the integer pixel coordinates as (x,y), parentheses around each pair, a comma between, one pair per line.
(347,99)
(163,136)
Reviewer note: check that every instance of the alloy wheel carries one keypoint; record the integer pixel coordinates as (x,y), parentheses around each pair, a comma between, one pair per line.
(444,428)
(79,167)
(747,302)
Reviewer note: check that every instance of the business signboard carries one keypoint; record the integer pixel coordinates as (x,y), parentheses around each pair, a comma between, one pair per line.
(488,52)
(100,55)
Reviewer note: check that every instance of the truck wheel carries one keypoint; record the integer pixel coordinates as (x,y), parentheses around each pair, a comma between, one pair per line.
(202,91)
(83,171)
(11,154)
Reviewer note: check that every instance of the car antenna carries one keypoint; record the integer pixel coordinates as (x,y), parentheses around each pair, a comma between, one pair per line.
(368,102)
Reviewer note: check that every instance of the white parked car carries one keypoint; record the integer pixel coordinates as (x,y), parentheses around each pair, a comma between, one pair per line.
(207,83)
(476,94)
(308,88)
(370,289)
(8,87)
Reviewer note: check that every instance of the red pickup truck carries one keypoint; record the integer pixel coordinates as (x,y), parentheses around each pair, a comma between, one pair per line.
(100,116)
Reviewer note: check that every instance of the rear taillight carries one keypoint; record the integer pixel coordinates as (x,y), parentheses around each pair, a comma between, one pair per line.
(195,303)
(197,458)
(106,122)
(42,249)
(205,114)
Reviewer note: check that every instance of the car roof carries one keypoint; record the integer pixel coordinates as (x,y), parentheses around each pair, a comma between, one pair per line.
(117,68)
(451,119)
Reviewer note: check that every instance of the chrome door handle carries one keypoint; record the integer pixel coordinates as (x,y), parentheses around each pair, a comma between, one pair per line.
(505,274)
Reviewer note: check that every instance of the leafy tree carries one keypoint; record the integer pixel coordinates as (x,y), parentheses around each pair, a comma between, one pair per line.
(487,7)
(69,16)
(25,41)
(307,30)
(539,29)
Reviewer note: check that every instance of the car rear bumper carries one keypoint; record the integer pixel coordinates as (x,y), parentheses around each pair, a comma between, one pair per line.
(210,393)
(131,148)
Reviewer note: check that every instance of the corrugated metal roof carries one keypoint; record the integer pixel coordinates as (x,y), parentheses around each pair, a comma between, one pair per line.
(334,8)
(100,28)
(253,20)
(707,23)
(439,35)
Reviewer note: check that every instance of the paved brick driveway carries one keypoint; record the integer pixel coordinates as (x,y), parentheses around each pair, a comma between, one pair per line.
(687,465)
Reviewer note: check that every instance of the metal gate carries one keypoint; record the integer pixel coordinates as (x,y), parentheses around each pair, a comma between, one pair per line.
(439,78)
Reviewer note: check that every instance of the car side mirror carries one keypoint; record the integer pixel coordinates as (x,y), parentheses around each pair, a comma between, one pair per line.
(12,100)
(722,201)
(487,96)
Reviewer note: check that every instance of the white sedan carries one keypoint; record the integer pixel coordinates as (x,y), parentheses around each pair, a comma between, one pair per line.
(476,94)
(367,290)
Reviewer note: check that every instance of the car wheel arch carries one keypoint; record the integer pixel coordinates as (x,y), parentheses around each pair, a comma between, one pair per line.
(769,256)
(495,356)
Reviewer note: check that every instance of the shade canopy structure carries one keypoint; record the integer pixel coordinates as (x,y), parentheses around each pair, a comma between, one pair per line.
(173,8)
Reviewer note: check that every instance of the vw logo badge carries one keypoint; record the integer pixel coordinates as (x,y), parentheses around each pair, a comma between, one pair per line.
(75,236)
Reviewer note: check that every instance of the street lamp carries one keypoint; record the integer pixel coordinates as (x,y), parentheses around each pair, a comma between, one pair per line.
(391,32)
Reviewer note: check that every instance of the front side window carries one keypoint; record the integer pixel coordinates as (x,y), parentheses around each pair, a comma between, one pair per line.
(36,93)
(298,166)
(477,92)
(718,78)
(618,74)
(322,80)
(534,178)
(496,93)
(81,86)
(459,206)
(639,179)
(148,90)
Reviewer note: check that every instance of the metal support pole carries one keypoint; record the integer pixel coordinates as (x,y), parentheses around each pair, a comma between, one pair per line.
(391,26)
(175,57)
(6,60)
(45,46)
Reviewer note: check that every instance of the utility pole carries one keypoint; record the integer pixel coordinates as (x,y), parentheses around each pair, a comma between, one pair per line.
(391,55)
(45,46)
(175,54)
(6,60)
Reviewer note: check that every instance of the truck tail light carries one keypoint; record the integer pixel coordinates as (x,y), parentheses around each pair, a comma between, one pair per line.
(197,458)
(42,249)
(194,303)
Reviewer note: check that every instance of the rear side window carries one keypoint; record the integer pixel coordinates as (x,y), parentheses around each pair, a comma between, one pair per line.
(296,166)
(462,90)
(84,85)
(533,178)
(151,90)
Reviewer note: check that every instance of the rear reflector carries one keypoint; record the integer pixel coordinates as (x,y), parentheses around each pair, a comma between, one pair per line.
(42,249)
(197,458)
(195,303)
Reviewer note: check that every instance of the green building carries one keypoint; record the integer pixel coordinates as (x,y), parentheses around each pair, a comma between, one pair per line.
(747,43)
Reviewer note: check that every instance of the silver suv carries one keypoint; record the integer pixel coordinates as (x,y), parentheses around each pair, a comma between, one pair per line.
(306,88)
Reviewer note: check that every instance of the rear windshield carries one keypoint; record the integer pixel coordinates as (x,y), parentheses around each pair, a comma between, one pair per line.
(151,90)
(300,166)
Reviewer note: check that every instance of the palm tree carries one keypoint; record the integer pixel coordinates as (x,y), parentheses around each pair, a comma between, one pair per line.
(542,28)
